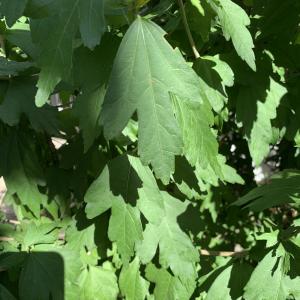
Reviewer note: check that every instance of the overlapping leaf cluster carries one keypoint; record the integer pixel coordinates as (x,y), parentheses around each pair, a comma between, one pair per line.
(129,162)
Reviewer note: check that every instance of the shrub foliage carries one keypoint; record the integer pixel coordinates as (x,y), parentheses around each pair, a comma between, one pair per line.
(131,132)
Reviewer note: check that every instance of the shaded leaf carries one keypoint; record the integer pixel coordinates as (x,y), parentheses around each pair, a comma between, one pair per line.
(42,276)
(56,51)
(22,172)
(12,10)
(12,68)
(283,188)
(92,21)
(258,128)
(19,100)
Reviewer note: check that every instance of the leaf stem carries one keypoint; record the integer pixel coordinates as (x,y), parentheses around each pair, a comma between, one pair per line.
(187,29)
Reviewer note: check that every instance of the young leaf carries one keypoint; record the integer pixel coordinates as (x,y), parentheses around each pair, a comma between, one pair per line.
(116,188)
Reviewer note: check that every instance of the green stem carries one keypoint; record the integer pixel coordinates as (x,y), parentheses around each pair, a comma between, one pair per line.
(187,29)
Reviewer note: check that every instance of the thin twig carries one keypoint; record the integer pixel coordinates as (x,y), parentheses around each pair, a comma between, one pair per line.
(6,239)
(14,222)
(187,29)
(223,253)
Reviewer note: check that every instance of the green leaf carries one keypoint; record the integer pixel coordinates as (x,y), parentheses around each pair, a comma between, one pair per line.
(79,238)
(200,144)
(161,211)
(185,179)
(233,20)
(126,176)
(21,171)
(175,247)
(256,107)
(132,285)
(38,8)
(89,104)
(167,287)
(144,86)
(92,21)
(19,100)
(117,180)
(57,49)
(269,279)
(125,227)
(215,75)
(12,10)
(97,283)
(198,5)
(60,28)
(230,282)
(282,188)
(5,293)
(67,271)
(208,175)
(116,188)
(36,233)
(86,76)
(200,17)
(22,39)
(42,276)
(13,68)
(99,196)
(92,81)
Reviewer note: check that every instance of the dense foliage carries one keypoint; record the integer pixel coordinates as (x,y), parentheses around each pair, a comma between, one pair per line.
(130,131)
